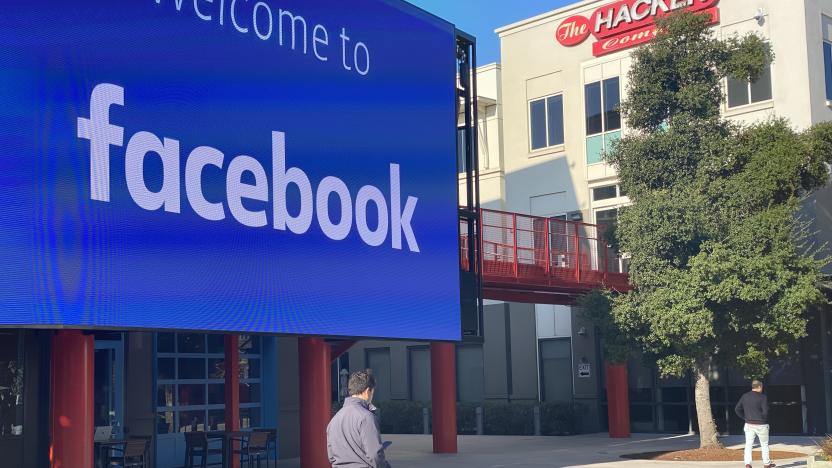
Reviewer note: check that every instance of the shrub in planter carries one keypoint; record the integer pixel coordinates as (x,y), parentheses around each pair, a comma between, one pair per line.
(508,418)
(400,416)
(826,449)
(823,459)
(558,419)
(466,418)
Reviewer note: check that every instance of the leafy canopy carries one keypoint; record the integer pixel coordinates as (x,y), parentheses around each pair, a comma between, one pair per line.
(719,259)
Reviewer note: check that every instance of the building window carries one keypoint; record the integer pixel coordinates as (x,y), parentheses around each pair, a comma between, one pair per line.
(827,66)
(826,28)
(602,102)
(190,382)
(546,122)
(616,261)
(461,145)
(606,218)
(605,193)
(742,92)
(11,383)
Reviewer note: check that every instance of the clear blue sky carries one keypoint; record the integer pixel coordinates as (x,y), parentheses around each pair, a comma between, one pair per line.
(482,17)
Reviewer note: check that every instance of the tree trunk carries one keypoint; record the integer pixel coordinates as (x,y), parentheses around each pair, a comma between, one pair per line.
(707,427)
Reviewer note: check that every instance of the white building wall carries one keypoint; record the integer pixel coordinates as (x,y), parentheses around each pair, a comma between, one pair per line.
(489,134)
(558,180)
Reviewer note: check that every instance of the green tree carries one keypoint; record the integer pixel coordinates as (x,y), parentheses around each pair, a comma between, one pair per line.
(720,265)
(596,308)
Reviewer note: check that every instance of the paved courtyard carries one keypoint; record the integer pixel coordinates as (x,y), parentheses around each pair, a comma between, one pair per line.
(596,451)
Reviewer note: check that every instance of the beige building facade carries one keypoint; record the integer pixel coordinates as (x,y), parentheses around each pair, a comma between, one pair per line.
(566,174)
(546,113)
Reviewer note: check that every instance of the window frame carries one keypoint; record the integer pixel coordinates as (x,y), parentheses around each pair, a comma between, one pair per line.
(602,89)
(176,382)
(827,68)
(749,95)
(605,131)
(549,146)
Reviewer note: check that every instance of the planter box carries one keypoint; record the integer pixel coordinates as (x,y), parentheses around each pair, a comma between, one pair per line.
(813,462)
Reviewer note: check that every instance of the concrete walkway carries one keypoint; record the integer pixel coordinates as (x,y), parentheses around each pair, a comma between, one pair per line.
(596,451)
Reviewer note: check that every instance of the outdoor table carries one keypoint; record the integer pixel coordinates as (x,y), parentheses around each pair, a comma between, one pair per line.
(227,437)
(102,449)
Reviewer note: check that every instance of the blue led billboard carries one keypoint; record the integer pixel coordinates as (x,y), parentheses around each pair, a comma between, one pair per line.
(274,166)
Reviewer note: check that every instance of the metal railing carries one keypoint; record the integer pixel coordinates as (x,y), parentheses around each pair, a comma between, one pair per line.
(545,253)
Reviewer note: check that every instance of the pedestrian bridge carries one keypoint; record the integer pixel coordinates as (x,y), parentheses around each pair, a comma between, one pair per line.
(542,260)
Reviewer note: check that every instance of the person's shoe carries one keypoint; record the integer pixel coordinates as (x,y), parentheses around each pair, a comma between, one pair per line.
(748,466)
(770,465)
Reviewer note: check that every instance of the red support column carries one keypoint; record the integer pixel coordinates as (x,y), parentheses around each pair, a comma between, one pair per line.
(232,390)
(577,252)
(443,393)
(72,394)
(618,401)
(514,243)
(315,401)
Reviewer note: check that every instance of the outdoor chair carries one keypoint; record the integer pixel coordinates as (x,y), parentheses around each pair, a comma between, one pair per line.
(132,455)
(255,446)
(196,445)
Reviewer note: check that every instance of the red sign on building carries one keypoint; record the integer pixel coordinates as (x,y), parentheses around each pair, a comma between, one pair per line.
(626,23)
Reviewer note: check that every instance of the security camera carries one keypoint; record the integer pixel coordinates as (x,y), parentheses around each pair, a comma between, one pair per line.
(760,16)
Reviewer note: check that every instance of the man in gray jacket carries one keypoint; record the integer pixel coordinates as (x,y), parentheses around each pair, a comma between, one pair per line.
(353,439)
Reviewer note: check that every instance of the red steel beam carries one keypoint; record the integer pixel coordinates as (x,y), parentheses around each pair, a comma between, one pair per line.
(232,390)
(315,401)
(443,394)
(618,401)
(72,400)
(341,347)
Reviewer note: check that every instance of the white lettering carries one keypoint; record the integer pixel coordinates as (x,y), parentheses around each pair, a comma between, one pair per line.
(293,21)
(199,158)
(269,16)
(392,217)
(101,134)
(601,20)
(281,179)
(234,18)
(401,218)
(644,13)
(623,16)
(368,194)
(330,185)
(344,40)
(360,45)
(138,148)
(199,13)
(237,190)
(323,38)
(177,2)
(658,5)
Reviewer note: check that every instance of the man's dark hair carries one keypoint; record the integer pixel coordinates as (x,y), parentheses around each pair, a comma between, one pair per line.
(360,381)
(756,385)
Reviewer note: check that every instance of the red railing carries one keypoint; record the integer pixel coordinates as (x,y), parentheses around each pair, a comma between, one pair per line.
(521,252)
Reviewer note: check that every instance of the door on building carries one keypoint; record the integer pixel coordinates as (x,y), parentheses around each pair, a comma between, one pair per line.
(109,383)
(556,370)
(379,361)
